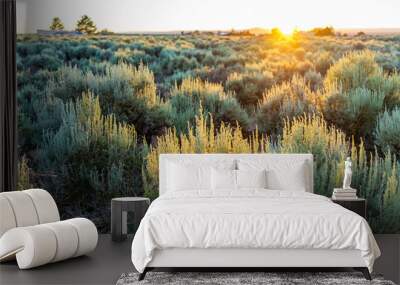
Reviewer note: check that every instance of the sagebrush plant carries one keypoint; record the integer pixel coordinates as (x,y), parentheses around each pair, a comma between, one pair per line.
(353,70)
(203,137)
(92,155)
(387,131)
(95,111)
(287,100)
(187,98)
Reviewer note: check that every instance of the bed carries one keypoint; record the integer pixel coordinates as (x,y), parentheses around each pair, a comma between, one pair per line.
(253,210)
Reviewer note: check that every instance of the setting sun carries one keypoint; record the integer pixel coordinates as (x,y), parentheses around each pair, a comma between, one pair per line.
(287,30)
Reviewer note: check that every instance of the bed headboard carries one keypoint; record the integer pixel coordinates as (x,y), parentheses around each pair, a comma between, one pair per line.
(213,158)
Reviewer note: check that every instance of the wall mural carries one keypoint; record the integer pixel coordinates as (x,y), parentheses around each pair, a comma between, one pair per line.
(96,108)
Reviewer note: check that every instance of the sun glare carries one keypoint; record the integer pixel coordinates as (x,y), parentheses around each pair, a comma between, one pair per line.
(287,31)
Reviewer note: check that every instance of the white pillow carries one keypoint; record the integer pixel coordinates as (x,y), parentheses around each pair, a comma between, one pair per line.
(223,179)
(281,174)
(251,178)
(295,180)
(188,177)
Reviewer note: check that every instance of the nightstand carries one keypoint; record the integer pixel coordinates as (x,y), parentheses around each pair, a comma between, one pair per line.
(357,205)
(119,215)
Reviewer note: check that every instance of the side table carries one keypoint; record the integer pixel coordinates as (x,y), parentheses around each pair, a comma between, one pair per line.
(119,215)
(357,205)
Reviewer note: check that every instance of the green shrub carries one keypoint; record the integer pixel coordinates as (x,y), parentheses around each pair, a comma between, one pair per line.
(376,178)
(323,62)
(90,159)
(204,137)
(287,100)
(43,61)
(353,70)
(355,111)
(249,88)
(387,131)
(313,79)
(186,100)
(389,85)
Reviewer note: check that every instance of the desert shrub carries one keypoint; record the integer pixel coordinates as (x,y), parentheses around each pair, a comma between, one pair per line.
(106,44)
(311,134)
(249,87)
(43,61)
(84,52)
(387,131)
(381,187)
(353,70)
(149,120)
(376,178)
(170,61)
(187,98)
(37,111)
(131,56)
(387,220)
(177,78)
(90,159)
(287,100)
(355,111)
(356,92)
(313,79)
(127,92)
(389,85)
(389,60)
(204,137)
(116,81)
(323,62)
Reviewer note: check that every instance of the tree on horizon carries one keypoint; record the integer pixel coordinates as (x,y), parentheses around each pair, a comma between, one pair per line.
(56,24)
(86,25)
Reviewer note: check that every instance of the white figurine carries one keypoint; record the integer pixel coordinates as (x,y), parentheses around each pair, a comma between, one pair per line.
(347,174)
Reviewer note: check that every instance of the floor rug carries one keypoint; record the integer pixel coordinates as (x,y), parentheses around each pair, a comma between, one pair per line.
(244,278)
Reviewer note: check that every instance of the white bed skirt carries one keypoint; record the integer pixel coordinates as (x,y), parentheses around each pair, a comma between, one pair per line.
(189,257)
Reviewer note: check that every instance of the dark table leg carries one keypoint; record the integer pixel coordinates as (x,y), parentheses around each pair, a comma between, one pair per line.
(116,221)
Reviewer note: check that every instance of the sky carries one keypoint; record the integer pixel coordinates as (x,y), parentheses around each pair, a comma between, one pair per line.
(173,15)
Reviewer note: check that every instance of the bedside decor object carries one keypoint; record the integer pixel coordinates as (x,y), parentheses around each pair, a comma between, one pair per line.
(344,194)
(31,231)
(119,214)
(357,205)
(347,174)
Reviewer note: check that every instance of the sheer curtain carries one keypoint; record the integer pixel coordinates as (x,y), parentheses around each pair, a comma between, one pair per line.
(8,100)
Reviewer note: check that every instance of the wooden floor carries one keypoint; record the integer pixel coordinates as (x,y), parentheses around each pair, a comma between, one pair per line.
(110,260)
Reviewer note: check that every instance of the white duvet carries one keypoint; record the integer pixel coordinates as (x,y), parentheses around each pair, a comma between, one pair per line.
(250,219)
